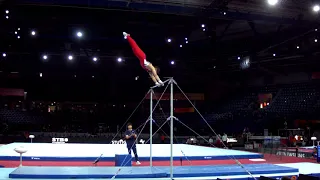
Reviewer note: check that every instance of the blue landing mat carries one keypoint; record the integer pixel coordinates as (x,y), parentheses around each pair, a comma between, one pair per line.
(145,172)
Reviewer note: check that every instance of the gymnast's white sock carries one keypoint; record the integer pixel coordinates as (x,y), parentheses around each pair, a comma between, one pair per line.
(125,35)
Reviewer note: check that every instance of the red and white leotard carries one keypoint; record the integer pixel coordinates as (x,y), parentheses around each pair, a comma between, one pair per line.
(138,53)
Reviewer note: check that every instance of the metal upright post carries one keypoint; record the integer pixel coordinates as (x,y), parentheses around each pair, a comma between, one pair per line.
(150,119)
(171,128)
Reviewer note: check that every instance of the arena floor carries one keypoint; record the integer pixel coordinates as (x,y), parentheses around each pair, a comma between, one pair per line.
(304,168)
(90,152)
(65,161)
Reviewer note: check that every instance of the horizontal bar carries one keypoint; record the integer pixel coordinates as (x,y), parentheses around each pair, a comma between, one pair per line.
(155,86)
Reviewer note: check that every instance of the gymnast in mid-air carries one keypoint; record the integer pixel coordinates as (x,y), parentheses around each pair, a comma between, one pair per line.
(152,70)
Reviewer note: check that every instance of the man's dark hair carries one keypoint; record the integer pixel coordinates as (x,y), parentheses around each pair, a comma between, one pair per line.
(129,124)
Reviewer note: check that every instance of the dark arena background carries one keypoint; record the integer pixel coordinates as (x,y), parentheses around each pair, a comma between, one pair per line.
(240,99)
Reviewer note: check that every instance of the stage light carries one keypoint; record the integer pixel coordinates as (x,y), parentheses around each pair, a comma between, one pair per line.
(7,11)
(40,74)
(18,37)
(272,2)
(4,55)
(79,34)
(75,76)
(169,40)
(95,59)
(119,59)
(315,40)
(203,25)
(186,39)
(239,58)
(70,57)
(274,55)
(45,57)
(224,13)
(203,29)
(315,29)
(15,32)
(316,8)
(172,62)
(245,63)
(187,42)
(7,17)
(33,33)
(180,45)
(214,67)
(92,76)
(18,29)
(298,47)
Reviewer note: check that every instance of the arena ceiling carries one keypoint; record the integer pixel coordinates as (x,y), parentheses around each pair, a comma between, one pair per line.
(269,36)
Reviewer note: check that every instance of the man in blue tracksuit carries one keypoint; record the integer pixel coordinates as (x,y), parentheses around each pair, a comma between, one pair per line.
(131,137)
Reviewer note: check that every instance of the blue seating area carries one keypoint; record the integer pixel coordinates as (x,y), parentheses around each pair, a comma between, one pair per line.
(240,103)
(241,109)
(288,102)
(296,98)
(17,116)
